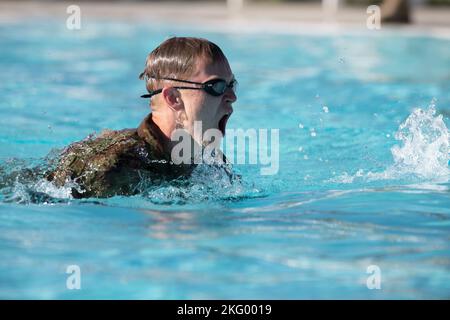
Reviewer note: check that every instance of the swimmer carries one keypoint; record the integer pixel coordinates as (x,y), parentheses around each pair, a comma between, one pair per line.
(188,80)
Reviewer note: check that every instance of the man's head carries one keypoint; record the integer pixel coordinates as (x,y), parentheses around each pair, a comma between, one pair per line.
(194,60)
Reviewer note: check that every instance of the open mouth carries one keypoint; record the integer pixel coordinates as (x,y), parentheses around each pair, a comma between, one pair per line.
(223,123)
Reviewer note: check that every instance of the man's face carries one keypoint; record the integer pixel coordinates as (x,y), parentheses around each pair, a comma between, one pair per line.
(212,111)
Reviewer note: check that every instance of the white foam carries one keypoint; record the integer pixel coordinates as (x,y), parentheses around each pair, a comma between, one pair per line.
(425,144)
(39,191)
(47,187)
(206,183)
(423,151)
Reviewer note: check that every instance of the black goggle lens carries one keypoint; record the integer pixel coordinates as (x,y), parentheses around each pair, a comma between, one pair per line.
(217,87)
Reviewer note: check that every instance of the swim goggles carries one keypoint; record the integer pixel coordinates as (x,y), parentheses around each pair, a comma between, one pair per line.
(214,87)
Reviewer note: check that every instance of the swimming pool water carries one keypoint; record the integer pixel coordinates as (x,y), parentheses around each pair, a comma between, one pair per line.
(363,176)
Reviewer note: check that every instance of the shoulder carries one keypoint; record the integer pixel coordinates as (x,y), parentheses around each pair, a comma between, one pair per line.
(96,153)
(108,141)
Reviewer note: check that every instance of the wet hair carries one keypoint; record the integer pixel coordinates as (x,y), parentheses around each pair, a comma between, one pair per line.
(178,57)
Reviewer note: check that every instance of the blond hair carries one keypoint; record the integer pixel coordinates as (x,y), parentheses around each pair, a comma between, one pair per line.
(177,57)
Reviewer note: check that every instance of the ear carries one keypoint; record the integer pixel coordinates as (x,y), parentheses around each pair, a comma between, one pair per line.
(173,99)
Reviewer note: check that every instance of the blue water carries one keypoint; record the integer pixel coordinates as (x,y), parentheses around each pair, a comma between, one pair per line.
(363,175)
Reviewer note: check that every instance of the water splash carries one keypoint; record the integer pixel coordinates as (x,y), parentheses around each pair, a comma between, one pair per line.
(425,145)
(23,181)
(41,191)
(423,152)
(206,183)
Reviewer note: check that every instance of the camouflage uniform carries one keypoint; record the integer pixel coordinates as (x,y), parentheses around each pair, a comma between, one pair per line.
(115,162)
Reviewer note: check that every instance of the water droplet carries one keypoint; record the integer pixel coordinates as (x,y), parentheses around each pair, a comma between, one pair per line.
(301,126)
(300,149)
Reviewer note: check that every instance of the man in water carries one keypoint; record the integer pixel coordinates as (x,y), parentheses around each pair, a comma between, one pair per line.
(188,80)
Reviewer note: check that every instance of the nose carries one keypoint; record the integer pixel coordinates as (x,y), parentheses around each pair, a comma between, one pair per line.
(230,96)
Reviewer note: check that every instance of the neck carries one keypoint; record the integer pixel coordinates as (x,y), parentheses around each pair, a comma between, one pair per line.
(165,123)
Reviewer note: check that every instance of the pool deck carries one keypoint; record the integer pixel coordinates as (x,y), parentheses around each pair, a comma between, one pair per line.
(209,16)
